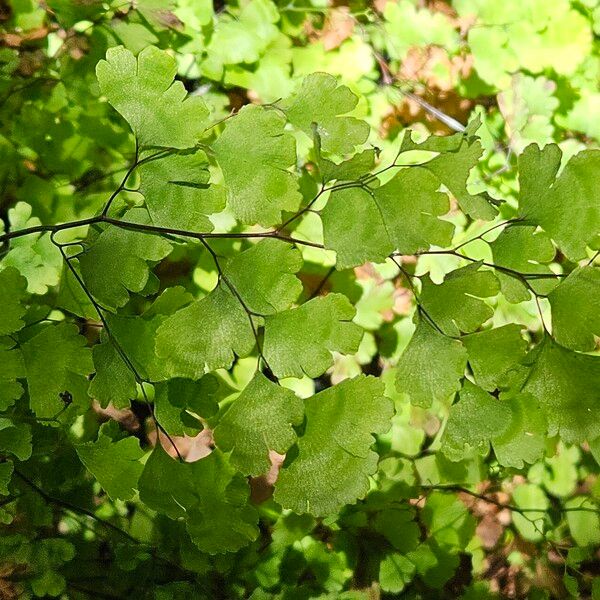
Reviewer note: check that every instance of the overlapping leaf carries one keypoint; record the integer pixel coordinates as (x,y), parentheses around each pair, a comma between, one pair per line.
(318,108)
(301,340)
(178,193)
(136,337)
(524,250)
(11,369)
(400,215)
(494,353)
(457,156)
(576,309)
(208,493)
(131,250)
(114,380)
(256,156)
(431,367)
(515,427)
(13,290)
(56,361)
(15,439)
(334,458)
(204,336)
(34,256)
(259,420)
(245,38)
(566,385)
(566,206)
(179,402)
(455,305)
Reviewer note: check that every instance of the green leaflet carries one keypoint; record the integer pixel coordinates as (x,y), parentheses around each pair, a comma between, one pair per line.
(407,26)
(567,207)
(301,340)
(452,171)
(399,527)
(155,106)
(256,155)
(454,305)
(531,525)
(115,464)
(264,276)
(156,11)
(528,107)
(431,367)
(434,562)
(524,250)
(136,335)
(13,290)
(46,557)
(71,296)
(458,155)
(566,386)
(584,526)
(576,309)
(437,143)
(35,257)
(349,170)
(524,440)
(317,109)
(208,493)
(450,519)
(131,250)
(558,473)
(525,35)
(245,38)
(114,380)
(395,573)
(6,473)
(260,419)
(178,192)
(367,238)
(178,400)
(204,336)
(11,368)
(56,360)
(15,439)
(494,353)
(333,460)
(473,421)
(400,215)
(514,426)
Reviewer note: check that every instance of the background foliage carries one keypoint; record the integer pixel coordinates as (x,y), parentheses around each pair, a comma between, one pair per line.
(439,408)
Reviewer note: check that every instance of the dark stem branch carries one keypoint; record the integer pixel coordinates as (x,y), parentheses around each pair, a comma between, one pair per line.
(66,505)
(249,313)
(502,505)
(115,343)
(151,229)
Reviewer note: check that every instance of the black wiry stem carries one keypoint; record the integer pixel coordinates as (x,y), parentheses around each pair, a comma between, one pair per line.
(69,506)
(502,505)
(151,229)
(269,372)
(115,343)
